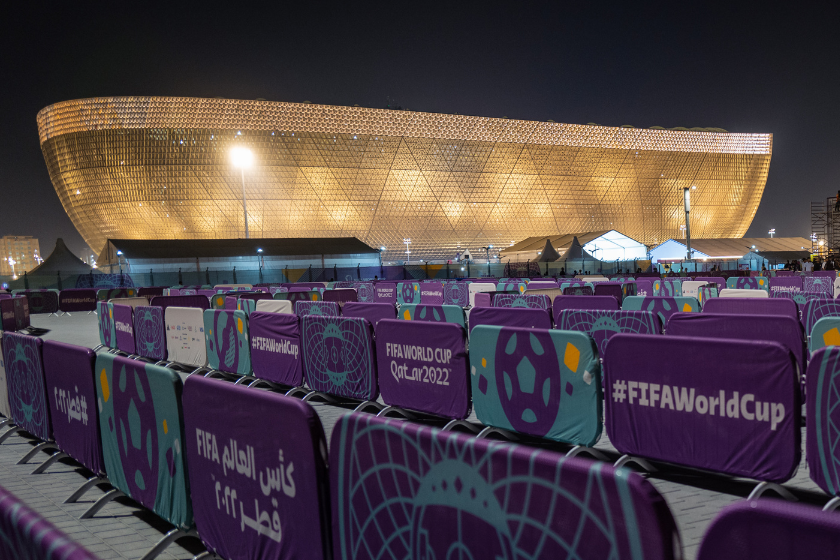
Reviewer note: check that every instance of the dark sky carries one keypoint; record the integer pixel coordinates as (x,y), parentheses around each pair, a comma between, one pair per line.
(742,68)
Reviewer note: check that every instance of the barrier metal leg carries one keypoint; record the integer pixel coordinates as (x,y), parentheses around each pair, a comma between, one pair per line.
(49,462)
(34,451)
(66,314)
(298,392)
(4,422)
(469,426)
(101,503)
(643,463)
(832,504)
(578,449)
(91,312)
(81,490)
(370,405)
(10,431)
(777,488)
(318,394)
(394,411)
(244,380)
(490,430)
(168,539)
(98,346)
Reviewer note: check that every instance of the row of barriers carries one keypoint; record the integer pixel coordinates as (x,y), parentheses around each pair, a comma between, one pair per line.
(187,449)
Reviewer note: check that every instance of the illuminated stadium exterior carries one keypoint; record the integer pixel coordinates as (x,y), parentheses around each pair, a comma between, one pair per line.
(159,167)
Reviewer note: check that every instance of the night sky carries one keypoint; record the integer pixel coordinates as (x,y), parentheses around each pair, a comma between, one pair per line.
(745,69)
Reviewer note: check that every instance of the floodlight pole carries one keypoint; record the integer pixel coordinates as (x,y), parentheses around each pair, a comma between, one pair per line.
(245,204)
(687,206)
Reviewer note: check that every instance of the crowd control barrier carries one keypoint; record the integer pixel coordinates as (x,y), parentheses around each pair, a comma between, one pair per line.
(385,292)
(823,428)
(476,287)
(670,287)
(783,283)
(107,330)
(719,280)
(648,286)
(275,306)
(143,441)
(482,299)
(602,325)
(818,284)
(579,290)
(456,293)
(509,317)
(185,342)
(339,357)
(423,367)
(533,301)
(607,303)
(275,348)
(436,313)
(826,332)
(752,306)
(150,332)
(541,285)
(408,292)
(150,291)
(200,302)
(14,313)
(373,312)
(816,309)
(124,325)
(256,493)
(739,418)
(28,536)
(29,407)
(770,529)
(705,293)
(226,335)
(403,490)
(325,308)
(747,283)
(40,301)
(77,299)
(5,408)
(115,293)
(663,306)
(544,383)
(743,293)
(341,295)
(618,290)
(431,293)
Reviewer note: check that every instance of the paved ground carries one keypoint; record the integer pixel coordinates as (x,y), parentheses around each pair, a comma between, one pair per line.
(122,530)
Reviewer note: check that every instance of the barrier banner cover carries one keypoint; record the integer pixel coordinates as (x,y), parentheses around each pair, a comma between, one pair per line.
(42,301)
(786,284)
(423,367)
(198,301)
(736,413)
(408,292)
(510,317)
(607,303)
(226,336)
(545,383)
(21,305)
(822,455)
(77,299)
(386,292)
(338,356)
(7,315)
(435,313)
(149,332)
(107,330)
(142,439)
(601,325)
(719,280)
(815,284)
(431,293)
(185,335)
(403,490)
(256,493)
(373,312)
(663,306)
(25,380)
(275,348)
(456,293)
(68,370)
(5,408)
(124,327)
(752,306)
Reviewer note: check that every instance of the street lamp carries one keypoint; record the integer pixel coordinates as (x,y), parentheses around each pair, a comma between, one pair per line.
(242,158)
(772,232)
(687,206)
(407,251)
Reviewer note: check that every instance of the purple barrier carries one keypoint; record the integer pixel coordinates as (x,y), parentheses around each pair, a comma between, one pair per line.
(256,493)
(818,284)
(601,325)
(431,293)
(124,327)
(24,365)
(41,301)
(423,367)
(254,295)
(403,490)
(151,291)
(77,299)
(339,357)
(816,309)
(785,330)
(719,280)
(510,317)
(230,302)
(541,285)
(483,299)
(752,306)
(822,453)
(150,332)
(607,303)
(373,312)
(68,371)
(645,286)
(825,273)
(753,529)
(326,308)
(206,293)
(275,348)
(786,284)
(27,535)
(578,290)
(613,289)
(198,301)
(742,412)
(385,293)
(340,296)
(21,305)
(7,314)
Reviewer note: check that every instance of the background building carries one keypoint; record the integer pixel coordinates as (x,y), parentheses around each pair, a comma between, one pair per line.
(24,250)
(159,168)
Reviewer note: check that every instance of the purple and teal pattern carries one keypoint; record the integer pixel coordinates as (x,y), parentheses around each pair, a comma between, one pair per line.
(456,293)
(141,425)
(364,291)
(408,292)
(512,287)
(800,298)
(579,290)
(532,301)
(338,356)
(670,287)
(813,284)
(107,330)
(435,313)
(403,490)
(816,309)
(103,281)
(541,382)
(823,413)
(25,535)
(114,293)
(303,295)
(324,308)
(602,324)
(748,283)
(23,359)
(226,337)
(704,293)
(149,332)
(277,289)
(664,307)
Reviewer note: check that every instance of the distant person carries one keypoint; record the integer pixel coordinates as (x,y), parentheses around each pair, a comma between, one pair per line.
(763,268)
(375,277)
(563,271)
(808,266)
(829,265)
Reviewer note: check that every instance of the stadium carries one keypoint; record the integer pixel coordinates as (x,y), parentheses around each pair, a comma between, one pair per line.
(159,168)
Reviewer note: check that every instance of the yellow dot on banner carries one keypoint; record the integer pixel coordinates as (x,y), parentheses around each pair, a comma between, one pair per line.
(211,332)
(572,356)
(686,307)
(315,297)
(240,326)
(761,281)
(407,315)
(165,427)
(521,289)
(416,287)
(111,313)
(483,362)
(832,337)
(103,380)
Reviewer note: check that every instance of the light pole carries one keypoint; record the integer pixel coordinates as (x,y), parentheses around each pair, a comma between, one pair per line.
(687,206)
(407,251)
(242,158)
(772,232)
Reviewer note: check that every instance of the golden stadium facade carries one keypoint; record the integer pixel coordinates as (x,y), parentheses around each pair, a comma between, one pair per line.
(159,167)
